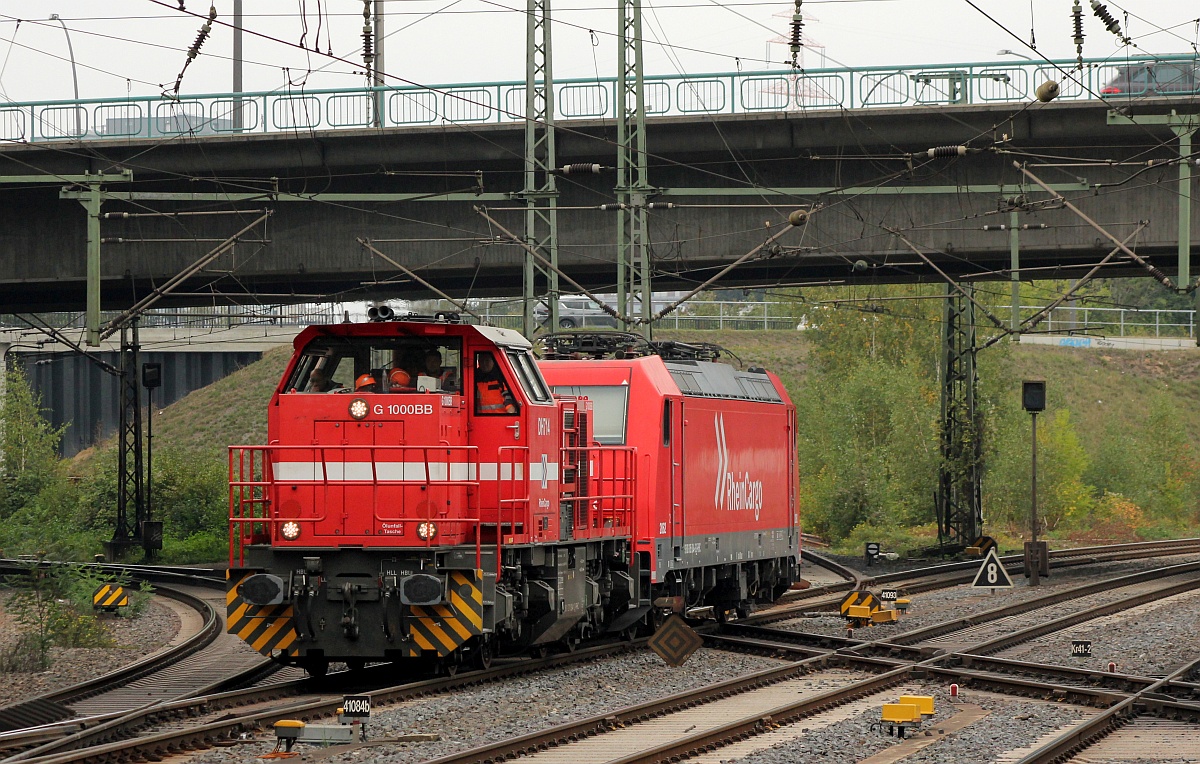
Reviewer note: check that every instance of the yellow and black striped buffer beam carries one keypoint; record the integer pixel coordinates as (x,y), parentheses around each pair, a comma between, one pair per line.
(266,628)
(862,599)
(110,597)
(443,628)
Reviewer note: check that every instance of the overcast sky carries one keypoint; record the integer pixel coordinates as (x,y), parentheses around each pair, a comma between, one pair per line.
(139,46)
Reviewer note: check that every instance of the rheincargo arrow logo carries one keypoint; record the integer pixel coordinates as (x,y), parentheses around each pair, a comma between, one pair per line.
(733,494)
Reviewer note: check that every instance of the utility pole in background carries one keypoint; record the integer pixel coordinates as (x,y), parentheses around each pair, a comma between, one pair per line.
(633,187)
(237,64)
(541,190)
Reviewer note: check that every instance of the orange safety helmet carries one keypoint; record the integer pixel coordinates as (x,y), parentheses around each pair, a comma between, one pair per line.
(398,377)
(364,380)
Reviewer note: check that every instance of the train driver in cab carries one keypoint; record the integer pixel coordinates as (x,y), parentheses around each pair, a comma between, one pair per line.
(492,395)
(319,382)
(446,376)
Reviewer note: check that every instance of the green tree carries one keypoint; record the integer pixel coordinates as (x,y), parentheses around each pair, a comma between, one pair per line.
(30,461)
(1064,498)
(868,410)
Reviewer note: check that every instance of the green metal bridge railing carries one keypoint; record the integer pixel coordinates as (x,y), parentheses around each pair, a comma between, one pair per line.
(722,93)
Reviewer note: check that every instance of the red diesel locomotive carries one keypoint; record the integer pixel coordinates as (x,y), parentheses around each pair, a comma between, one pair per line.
(431,492)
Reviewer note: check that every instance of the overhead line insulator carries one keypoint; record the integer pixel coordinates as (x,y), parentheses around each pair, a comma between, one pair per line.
(368,38)
(797,40)
(1101,11)
(1077,20)
(947,151)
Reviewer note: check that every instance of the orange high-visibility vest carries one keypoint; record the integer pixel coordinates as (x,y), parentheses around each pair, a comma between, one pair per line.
(490,395)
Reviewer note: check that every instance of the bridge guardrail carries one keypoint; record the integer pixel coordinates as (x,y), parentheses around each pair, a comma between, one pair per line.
(697,314)
(498,102)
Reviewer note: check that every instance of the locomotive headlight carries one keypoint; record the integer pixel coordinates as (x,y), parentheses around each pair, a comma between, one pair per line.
(290,530)
(426,531)
(358,408)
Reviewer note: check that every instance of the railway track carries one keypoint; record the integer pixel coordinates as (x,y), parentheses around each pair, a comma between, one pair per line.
(681,726)
(197,661)
(189,723)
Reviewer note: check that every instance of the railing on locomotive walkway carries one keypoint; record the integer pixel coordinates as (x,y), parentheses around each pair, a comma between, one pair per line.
(491,102)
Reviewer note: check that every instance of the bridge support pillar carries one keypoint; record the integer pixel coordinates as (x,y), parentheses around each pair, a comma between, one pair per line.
(91,201)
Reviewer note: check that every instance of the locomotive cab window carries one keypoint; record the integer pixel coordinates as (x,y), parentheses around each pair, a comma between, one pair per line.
(321,373)
(493,395)
(529,376)
(379,365)
(609,406)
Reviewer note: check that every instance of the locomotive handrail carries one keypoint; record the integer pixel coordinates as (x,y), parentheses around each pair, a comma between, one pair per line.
(615,504)
(272,519)
(254,483)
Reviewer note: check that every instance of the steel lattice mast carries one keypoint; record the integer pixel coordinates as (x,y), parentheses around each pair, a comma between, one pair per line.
(633,256)
(541,197)
(959,497)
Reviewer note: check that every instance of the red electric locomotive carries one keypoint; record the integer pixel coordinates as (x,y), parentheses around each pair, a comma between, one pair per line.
(430,492)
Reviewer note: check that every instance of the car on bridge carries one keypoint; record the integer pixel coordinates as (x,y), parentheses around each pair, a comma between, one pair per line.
(1157,78)
(574,313)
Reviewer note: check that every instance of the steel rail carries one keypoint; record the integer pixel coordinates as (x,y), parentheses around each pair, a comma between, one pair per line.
(1084,590)
(760,722)
(757,723)
(164,742)
(1041,629)
(1091,731)
(935,577)
(211,629)
(853,577)
(113,741)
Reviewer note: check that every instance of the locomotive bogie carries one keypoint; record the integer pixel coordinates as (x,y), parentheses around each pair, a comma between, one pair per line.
(318,605)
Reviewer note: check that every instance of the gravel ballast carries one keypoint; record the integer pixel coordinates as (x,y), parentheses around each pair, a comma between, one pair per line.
(929,608)
(1011,724)
(134,638)
(1150,640)
(487,713)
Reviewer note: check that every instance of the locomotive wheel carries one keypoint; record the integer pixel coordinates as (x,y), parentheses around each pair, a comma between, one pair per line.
(483,659)
(451,663)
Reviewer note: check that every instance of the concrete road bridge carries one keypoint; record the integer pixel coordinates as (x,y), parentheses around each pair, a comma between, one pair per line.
(908,173)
